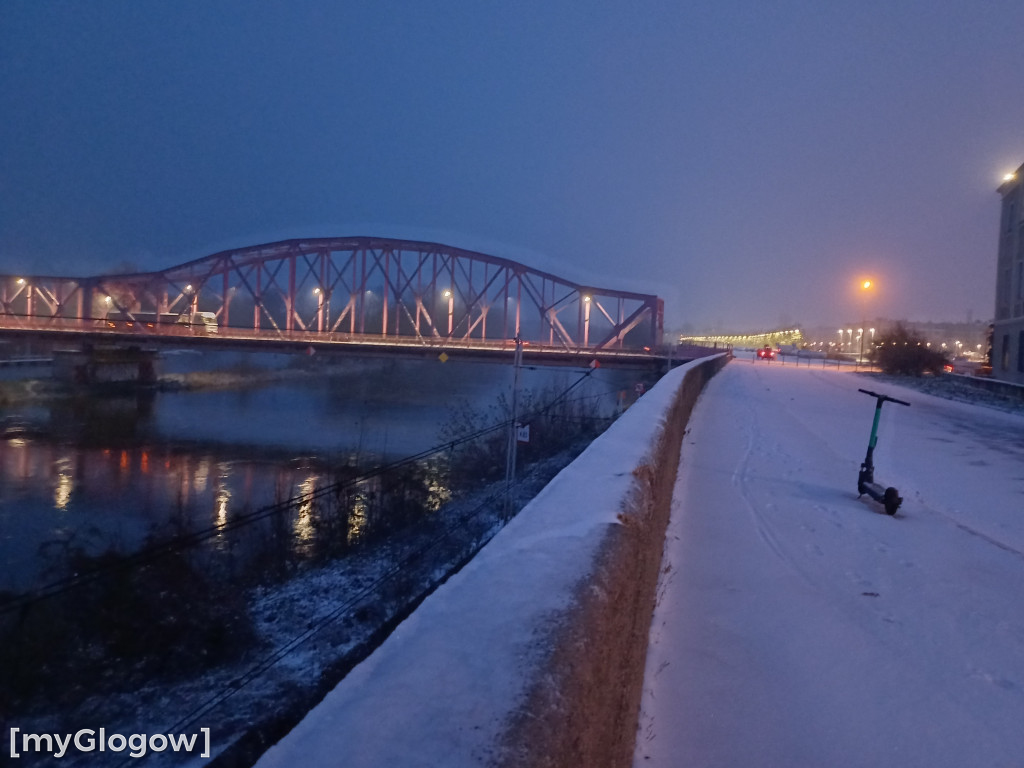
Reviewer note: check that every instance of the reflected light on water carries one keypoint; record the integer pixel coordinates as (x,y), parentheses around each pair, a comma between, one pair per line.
(182,482)
(223,493)
(18,465)
(62,493)
(222,499)
(202,475)
(64,483)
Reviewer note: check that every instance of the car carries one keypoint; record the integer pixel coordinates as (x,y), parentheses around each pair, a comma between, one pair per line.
(766,352)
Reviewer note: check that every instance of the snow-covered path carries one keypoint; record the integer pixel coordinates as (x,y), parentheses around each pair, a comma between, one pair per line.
(799,626)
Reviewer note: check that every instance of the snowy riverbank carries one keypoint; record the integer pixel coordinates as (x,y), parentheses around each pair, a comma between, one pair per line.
(447,687)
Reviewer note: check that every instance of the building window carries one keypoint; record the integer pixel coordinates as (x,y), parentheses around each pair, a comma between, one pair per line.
(1004,293)
(1004,355)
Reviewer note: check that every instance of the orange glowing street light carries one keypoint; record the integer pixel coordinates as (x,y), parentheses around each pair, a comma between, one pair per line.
(866,285)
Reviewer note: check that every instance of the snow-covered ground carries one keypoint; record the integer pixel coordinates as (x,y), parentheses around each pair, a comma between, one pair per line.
(799,626)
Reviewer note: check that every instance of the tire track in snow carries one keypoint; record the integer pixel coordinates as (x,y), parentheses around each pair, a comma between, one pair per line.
(952,520)
(742,479)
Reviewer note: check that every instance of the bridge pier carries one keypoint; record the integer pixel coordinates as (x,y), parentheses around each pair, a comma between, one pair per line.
(106,365)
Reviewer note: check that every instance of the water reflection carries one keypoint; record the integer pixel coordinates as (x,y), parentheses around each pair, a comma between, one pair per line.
(65,483)
(201,475)
(92,499)
(88,474)
(222,493)
(57,499)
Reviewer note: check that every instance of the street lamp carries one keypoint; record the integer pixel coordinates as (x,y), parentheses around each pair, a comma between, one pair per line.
(451,309)
(193,300)
(867,285)
(586,320)
(319,309)
(24,285)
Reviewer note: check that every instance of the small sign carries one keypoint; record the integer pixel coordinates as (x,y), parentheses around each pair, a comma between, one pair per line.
(522,433)
(443,357)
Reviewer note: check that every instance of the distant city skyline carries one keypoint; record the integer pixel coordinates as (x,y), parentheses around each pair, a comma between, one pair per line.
(749,164)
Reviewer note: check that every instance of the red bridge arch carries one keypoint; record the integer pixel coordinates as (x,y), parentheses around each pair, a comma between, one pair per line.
(351,286)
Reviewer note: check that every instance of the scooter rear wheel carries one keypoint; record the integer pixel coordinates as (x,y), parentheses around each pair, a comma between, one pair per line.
(891,500)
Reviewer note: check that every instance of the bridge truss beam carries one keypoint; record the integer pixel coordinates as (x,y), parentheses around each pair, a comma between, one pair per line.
(353,286)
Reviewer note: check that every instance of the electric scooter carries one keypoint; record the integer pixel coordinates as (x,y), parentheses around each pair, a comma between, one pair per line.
(888,497)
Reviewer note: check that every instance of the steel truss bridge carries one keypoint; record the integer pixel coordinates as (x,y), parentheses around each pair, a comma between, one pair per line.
(319,293)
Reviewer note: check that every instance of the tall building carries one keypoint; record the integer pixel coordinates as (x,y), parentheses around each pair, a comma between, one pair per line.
(1008,328)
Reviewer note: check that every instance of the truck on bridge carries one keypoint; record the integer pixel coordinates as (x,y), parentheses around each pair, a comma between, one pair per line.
(197,322)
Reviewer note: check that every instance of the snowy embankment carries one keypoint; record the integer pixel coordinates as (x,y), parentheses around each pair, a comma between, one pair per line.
(798,625)
(499,664)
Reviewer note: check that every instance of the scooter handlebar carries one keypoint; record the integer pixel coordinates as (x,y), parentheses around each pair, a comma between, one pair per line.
(883,398)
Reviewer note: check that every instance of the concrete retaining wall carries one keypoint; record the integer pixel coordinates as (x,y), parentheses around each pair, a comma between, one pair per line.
(582,710)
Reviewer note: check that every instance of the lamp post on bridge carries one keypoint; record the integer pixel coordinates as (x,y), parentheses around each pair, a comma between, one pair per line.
(586,321)
(451,309)
(323,309)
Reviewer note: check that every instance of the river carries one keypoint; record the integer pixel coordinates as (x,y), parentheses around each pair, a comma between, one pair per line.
(109,472)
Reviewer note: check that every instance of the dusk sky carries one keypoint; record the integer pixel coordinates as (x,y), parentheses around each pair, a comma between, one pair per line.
(747,161)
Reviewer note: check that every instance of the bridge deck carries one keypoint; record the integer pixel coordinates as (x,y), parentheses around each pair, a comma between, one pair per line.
(75,332)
